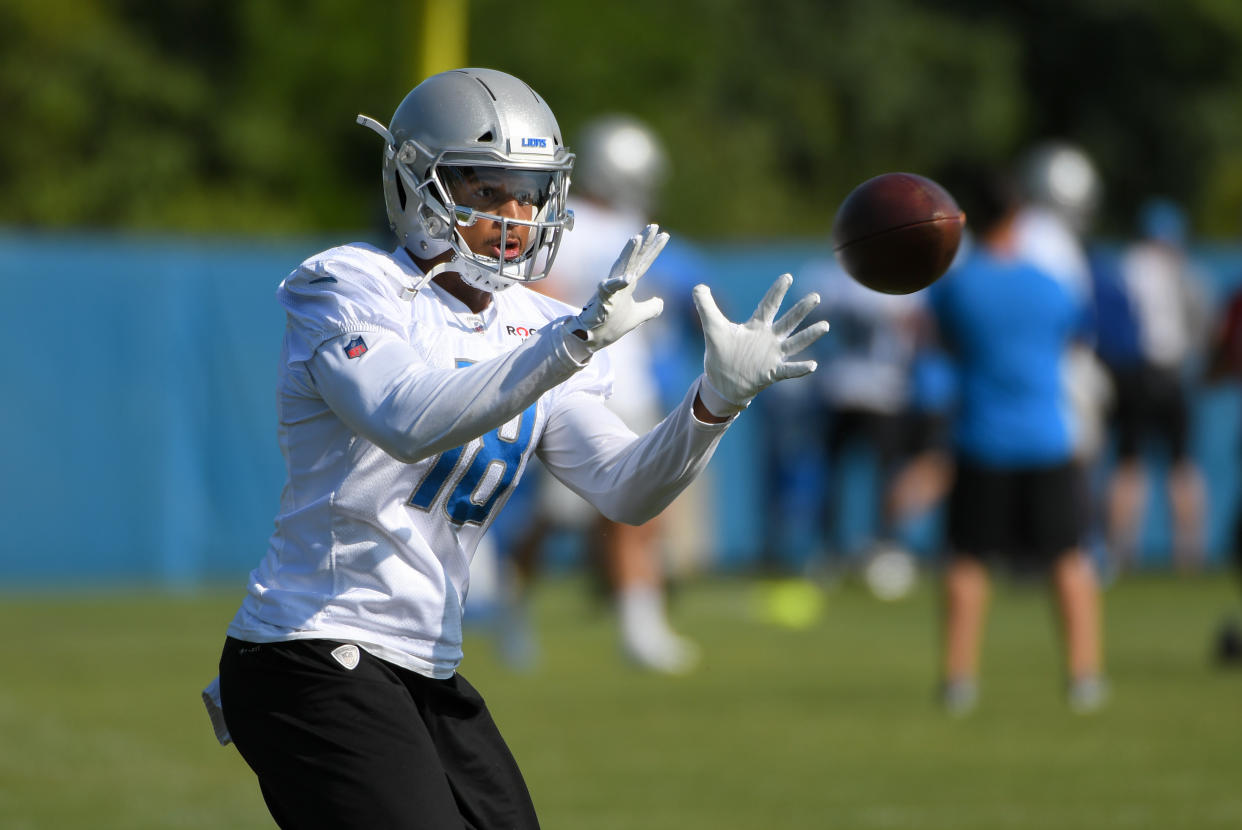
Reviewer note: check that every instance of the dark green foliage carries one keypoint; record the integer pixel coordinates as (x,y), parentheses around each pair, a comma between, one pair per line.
(235,116)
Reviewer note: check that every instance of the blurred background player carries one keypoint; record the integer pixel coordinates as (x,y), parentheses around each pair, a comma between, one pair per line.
(1017,492)
(1061,192)
(1163,295)
(621,165)
(855,459)
(1224,365)
(870,421)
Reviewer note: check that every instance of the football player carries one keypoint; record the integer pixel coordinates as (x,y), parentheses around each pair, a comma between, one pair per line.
(1018,492)
(414,388)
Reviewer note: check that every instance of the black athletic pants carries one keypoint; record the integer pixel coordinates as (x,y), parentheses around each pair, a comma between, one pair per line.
(375,746)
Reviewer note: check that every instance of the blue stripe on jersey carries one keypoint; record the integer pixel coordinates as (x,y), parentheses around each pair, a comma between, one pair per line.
(427,490)
(495,449)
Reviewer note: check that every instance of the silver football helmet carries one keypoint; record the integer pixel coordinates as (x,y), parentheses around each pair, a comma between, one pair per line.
(621,162)
(1062,177)
(460,145)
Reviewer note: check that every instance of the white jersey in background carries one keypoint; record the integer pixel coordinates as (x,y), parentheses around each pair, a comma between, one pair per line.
(1045,239)
(1169,309)
(867,363)
(585,253)
(380,397)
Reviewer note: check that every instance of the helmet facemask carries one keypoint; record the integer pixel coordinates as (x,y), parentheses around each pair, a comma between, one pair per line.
(429,209)
(524,206)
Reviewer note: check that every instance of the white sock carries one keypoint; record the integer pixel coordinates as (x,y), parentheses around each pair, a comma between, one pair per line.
(646,634)
(642,613)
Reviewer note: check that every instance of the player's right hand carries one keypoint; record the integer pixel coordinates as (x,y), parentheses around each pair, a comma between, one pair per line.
(613,312)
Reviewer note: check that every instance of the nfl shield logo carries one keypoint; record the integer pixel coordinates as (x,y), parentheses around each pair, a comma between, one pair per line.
(355,348)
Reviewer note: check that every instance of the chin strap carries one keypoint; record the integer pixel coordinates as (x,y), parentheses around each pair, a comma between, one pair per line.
(410,292)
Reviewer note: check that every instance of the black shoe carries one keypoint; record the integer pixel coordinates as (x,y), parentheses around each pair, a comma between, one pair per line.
(1229,644)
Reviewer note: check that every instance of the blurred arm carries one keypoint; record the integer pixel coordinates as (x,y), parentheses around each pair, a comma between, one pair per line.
(628,478)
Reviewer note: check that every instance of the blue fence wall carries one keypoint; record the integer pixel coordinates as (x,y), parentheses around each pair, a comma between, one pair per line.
(138,406)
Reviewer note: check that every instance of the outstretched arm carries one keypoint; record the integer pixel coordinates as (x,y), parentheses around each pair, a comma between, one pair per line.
(632,479)
(390,396)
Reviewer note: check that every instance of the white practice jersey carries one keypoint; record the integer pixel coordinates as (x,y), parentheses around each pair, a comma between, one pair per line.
(1161,286)
(1045,239)
(866,364)
(587,253)
(405,421)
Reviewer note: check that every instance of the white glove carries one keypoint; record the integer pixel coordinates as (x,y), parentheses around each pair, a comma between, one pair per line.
(741,360)
(613,312)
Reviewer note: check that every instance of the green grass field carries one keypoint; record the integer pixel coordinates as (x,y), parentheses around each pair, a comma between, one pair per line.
(827,726)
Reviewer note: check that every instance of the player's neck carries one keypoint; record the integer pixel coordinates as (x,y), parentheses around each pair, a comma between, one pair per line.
(475,299)
(472,298)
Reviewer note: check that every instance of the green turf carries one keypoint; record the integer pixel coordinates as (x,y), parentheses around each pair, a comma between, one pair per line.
(828,726)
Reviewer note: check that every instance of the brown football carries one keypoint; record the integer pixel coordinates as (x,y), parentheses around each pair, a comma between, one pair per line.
(897,233)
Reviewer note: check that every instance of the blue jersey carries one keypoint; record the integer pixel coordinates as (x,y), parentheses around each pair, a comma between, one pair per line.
(1008,325)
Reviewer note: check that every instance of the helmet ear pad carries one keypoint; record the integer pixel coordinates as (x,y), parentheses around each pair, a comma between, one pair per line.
(435,225)
(419,226)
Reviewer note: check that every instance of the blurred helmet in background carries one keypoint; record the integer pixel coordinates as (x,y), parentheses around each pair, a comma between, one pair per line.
(1061,177)
(469,123)
(621,162)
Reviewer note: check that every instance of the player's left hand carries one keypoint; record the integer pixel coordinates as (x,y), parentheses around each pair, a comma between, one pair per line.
(743,359)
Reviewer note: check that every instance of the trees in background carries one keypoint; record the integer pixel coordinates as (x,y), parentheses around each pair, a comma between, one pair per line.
(230,116)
